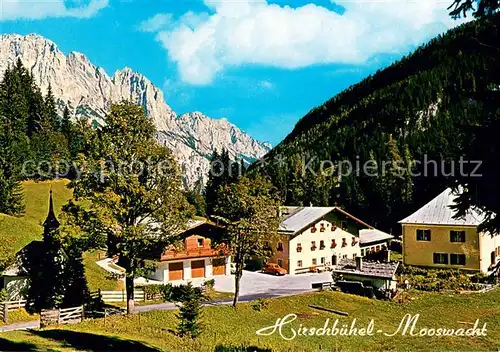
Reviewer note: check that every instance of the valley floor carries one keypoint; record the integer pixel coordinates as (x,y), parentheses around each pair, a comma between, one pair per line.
(226,327)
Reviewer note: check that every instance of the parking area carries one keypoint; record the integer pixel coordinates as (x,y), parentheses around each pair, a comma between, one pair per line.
(253,283)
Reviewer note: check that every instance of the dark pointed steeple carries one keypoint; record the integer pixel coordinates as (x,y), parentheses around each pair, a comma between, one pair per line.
(51,222)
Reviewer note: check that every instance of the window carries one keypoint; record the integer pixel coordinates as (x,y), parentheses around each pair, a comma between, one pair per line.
(200,242)
(354,242)
(266,245)
(314,261)
(440,258)
(423,235)
(344,256)
(457,236)
(334,244)
(343,225)
(280,247)
(313,229)
(321,244)
(457,259)
(313,245)
(299,264)
(344,242)
(299,247)
(322,228)
(334,226)
(323,260)
(280,262)
(362,252)
(354,255)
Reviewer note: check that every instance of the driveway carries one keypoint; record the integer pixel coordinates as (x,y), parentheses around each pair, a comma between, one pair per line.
(256,283)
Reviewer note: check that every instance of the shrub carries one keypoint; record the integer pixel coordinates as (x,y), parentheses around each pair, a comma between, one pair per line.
(209,284)
(437,279)
(260,304)
(153,292)
(4,295)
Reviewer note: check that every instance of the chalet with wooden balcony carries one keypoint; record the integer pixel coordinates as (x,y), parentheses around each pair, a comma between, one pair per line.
(195,258)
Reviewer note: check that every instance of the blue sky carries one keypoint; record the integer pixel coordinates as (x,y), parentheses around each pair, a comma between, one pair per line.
(261,64)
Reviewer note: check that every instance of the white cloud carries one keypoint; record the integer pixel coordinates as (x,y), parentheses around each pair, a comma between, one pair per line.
(40,9)
(255,32)
(156,22)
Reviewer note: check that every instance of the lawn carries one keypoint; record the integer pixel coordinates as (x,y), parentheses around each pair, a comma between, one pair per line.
(224,326)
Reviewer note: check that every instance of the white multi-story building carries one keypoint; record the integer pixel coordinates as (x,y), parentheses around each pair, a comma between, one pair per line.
(312,237)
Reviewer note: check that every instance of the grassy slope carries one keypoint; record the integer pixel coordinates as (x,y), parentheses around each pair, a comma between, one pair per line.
(97,276)
(17,232)
(225,326)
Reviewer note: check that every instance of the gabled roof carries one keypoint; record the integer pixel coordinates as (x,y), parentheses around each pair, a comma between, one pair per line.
(370,268)
(367,236)
(301,217)
(439,212)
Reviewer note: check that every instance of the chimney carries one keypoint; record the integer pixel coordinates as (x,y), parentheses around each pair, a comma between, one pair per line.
(359,263)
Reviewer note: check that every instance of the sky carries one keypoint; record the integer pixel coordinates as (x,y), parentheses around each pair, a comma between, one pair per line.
(261,64)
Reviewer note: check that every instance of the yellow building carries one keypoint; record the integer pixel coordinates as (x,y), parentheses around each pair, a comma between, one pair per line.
(432,237)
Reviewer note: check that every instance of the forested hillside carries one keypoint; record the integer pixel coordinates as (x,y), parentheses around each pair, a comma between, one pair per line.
(419,108)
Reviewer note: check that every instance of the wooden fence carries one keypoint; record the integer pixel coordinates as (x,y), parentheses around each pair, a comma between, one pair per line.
(7,306)
(118,296)
(61,316)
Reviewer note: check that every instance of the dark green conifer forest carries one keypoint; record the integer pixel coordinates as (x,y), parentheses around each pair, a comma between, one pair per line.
(427,106)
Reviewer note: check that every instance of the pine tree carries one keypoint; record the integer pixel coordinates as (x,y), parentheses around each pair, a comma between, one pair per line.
(50,117)
(190,312)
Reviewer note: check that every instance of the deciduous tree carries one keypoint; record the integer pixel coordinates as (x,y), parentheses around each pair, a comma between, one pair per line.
(134,192)
(249,208)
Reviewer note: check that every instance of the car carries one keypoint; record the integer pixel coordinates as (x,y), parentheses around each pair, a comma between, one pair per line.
(271,268)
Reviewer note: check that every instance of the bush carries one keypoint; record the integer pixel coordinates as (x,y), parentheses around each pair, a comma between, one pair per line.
(437,279)
(209,284)
(153,292)
(260,304)
(4,295)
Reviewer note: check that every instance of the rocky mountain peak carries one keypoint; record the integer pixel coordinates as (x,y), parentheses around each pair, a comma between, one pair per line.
(88,91)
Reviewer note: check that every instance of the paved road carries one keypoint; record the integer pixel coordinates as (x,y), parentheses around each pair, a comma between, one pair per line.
(246,298)
(35,324)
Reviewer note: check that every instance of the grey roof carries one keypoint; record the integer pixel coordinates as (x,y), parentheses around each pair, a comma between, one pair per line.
(438,212)
(367,236)
(370,268)
(300,217)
